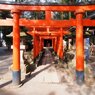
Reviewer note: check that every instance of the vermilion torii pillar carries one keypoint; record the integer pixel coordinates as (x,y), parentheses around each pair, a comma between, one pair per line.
(35,46)
(60,47)
(40,44)
(16,48)
(79,46)
(60,44)
(55,44)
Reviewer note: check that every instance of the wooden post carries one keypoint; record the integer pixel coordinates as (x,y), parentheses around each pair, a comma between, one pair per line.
(40,44)
(48,15)
(79,47)
(55,44)
(35,50)
(53,41)
(16,48)
(60,44)
(37,45)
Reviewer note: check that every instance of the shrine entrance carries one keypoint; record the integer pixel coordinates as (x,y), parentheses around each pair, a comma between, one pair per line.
(47,42)
(53,32)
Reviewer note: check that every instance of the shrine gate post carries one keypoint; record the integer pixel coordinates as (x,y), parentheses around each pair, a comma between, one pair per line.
(16,48)
(79,46)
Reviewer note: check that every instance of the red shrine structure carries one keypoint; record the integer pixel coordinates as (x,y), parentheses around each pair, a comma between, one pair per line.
(47,29)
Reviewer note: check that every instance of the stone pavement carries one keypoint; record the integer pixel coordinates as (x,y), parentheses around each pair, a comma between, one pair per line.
(45,80)
(5,60)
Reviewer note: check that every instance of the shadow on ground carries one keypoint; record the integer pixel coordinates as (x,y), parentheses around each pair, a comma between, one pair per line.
(34,74)
(5,84)
(4,54)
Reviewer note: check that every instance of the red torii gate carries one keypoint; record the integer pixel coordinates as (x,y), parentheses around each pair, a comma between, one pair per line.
(54,34)
(48,23)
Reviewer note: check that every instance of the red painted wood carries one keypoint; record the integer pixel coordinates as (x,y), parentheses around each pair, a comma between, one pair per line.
(16,41)
(79,42)
(48,7)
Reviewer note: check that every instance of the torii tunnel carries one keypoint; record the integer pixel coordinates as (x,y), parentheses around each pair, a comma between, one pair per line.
(54,30)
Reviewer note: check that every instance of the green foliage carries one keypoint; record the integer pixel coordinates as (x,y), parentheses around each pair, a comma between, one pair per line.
(5,14)
(33,15)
